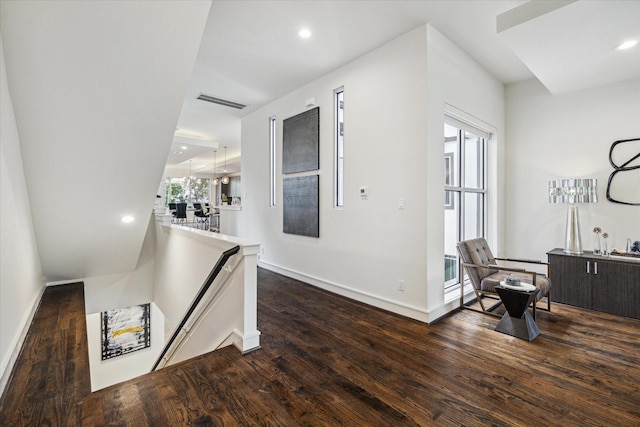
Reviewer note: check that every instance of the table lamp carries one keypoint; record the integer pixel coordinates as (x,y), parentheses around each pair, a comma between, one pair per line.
(573,191)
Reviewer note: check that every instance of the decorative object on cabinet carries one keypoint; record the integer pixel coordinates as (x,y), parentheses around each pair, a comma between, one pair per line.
(623,255)
(624,170)
(300,142)
(596,242)
(573,191)
(485,274)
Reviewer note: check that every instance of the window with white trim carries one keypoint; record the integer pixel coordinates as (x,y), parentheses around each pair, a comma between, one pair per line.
(465,208)
(272,161)
(339,146)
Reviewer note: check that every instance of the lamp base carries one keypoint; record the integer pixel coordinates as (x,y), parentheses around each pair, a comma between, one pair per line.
(570,252)
(572,241)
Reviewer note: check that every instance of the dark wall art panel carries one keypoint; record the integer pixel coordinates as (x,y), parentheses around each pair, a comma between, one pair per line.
(300,207)
(300,142)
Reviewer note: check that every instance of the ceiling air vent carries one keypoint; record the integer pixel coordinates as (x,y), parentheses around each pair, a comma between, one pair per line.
(221,101)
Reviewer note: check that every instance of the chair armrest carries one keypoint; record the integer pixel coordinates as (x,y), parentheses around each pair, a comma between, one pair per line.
(495,267)
(498,267)
(528,261)
(515,270)
(466,264)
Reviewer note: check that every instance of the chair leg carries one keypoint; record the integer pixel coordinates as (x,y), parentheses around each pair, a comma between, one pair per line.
(480,301)
(485,310)
(548,305)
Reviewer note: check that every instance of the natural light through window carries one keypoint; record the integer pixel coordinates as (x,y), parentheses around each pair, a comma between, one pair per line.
(465,191)
(339,146)
(272,161)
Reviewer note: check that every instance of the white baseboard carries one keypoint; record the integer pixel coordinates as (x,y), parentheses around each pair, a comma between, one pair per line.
(18,341)
(364,297)
(246,344)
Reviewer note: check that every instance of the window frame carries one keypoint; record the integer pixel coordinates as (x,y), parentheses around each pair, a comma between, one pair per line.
(458,192)
(272,161)
(338,132)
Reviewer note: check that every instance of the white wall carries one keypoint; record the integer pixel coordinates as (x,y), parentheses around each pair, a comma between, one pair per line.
(124,289)
(21,277)
(184,258)
(367,246)
(459,85)
(566,136)
(394,104)
(118,291)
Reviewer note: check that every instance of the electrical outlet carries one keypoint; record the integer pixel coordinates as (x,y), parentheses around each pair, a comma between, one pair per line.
(401,285)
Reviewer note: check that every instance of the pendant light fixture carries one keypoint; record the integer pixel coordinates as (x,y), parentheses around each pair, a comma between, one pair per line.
(215,180)
(225,178)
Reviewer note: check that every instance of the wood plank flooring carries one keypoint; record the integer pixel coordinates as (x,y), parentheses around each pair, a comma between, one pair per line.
(327,360)
(52,371)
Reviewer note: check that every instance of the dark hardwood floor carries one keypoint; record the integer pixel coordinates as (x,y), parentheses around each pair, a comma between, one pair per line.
(327,360)
(52,371)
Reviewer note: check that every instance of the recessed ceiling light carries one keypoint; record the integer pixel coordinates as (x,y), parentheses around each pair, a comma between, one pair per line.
(184,147)
(628,44)
(305,33)
(127,219)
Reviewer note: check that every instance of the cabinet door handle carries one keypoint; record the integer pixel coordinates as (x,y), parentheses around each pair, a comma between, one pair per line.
(595,267)
(588,269)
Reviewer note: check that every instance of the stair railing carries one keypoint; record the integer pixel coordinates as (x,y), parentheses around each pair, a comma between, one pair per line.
(201,293)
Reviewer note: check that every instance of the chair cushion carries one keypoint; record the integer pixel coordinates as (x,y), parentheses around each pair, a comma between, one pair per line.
(489,283)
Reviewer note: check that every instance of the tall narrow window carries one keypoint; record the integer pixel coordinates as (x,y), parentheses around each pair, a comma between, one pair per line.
(339,146)
(272,160)
(465,189)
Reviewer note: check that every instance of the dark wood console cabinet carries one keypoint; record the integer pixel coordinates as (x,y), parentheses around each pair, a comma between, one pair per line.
(595,282)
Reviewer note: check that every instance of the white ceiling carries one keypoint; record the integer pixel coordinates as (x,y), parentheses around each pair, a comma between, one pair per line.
(574,46)
(251,52)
